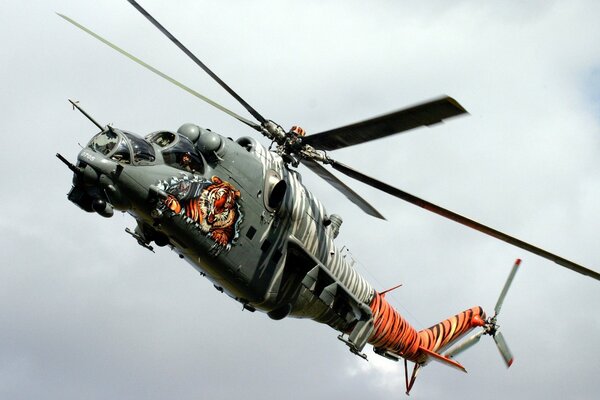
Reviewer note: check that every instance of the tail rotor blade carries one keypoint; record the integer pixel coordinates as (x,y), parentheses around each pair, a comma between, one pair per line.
(509,280)
(468,343)
(503,348)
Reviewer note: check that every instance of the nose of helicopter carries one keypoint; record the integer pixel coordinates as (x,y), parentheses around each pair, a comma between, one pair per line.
(91,184)
(96,175)
(98,180)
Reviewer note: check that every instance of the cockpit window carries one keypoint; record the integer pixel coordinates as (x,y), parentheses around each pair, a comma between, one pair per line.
(142,150)
(104,142)
(162,139)
(183,155)
(123,147)
(122,153)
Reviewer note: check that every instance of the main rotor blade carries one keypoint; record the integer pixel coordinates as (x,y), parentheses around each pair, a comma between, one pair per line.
(162,75)
(509,280)
(173,39)
(461,220)
(424,114)
(503,348)
(341,186)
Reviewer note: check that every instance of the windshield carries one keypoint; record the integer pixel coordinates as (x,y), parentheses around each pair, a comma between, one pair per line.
(142,150)
(123,147)
(183,155)
(104,142)
(121,154)
(162,139)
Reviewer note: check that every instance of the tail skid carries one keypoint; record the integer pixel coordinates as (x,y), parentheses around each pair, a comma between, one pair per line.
(439,337)
(413,378)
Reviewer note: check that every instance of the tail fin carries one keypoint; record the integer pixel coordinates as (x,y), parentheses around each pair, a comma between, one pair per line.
(441,336)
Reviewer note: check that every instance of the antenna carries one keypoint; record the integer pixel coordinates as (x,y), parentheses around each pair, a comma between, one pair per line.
(88,116)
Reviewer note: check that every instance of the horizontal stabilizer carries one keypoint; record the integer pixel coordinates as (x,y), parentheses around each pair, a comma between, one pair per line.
(444,360)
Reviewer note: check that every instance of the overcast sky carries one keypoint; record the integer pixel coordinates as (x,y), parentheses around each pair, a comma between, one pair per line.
(86,313)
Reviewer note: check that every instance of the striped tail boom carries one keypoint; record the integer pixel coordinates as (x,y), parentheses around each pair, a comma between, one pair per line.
(442,335)
(392,334)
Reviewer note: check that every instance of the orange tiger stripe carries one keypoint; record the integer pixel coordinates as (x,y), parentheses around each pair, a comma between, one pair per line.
(192,210)
(393,333)
(445,333)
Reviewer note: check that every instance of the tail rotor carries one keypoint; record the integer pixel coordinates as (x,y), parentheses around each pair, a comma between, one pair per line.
(490,327)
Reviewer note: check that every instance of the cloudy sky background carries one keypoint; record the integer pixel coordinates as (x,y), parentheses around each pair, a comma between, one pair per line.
(86,313)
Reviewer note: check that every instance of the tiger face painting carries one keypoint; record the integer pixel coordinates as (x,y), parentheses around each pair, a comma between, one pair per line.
(211,206)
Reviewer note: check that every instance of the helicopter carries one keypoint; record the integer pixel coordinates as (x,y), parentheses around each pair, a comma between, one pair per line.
(239,213)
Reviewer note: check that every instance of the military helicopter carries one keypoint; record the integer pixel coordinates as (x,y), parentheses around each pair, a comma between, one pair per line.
(239,213)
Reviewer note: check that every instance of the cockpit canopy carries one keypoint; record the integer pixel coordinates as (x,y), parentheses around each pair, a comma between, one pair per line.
(123,147)
(178,151)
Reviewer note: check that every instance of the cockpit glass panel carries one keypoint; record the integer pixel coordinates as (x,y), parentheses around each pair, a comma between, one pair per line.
(104,142)
(122,153)
(142,150)
(183,155)
(162,139)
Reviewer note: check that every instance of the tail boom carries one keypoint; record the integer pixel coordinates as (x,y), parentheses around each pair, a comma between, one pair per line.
(393,334)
